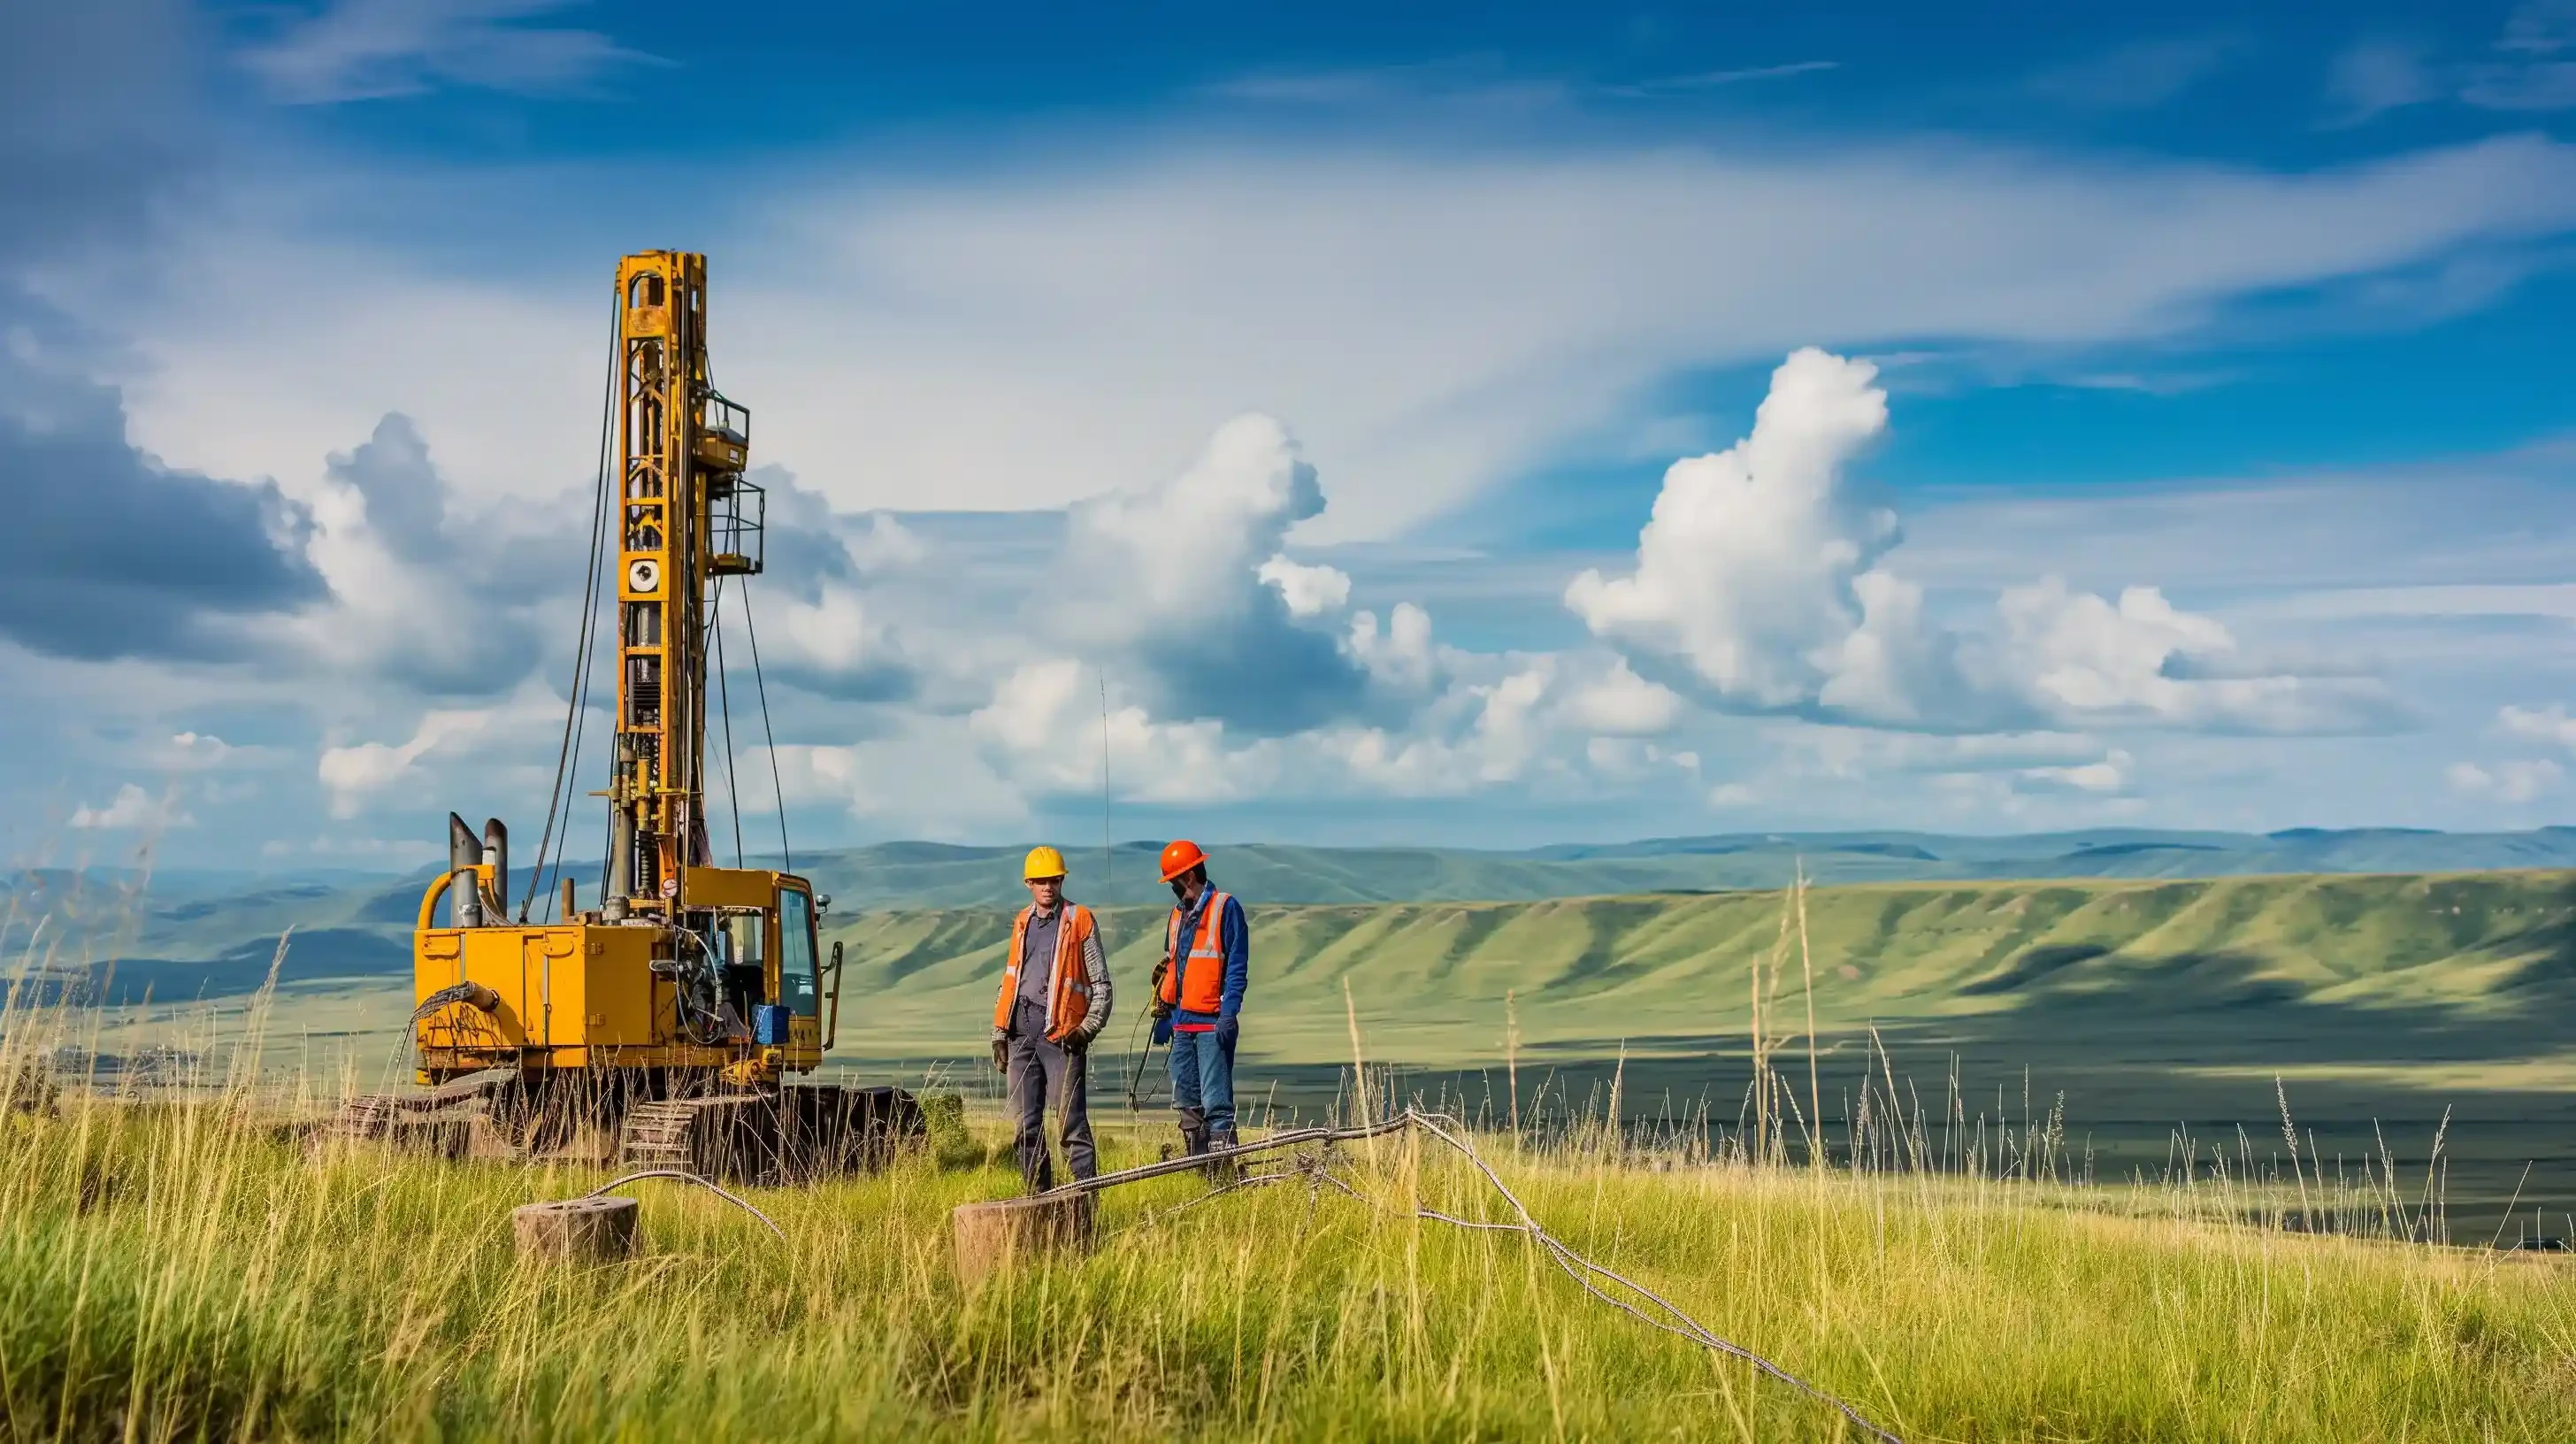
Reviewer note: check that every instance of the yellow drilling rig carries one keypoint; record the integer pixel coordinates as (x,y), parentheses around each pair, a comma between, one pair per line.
(664,1023)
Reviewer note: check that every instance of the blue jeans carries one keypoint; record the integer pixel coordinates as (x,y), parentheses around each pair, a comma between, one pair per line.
(1203,1079)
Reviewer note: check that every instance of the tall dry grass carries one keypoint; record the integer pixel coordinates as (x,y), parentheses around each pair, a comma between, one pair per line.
(177,1263)
(185,1270)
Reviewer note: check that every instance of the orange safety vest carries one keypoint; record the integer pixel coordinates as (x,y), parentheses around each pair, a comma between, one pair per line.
(1194,979)
(1068,990)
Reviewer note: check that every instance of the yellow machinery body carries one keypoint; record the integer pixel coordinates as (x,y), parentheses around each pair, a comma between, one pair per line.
(586,995)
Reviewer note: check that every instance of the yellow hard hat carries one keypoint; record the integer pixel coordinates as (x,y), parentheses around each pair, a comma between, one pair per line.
(1043,862)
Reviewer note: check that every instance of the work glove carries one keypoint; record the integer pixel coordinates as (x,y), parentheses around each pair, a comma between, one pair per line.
(1228,1029)
(1001,1055)
(1162,1027)
(1078,1042)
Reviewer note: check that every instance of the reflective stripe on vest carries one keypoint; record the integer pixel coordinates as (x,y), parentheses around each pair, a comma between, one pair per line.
(1195,983)
(1068,987)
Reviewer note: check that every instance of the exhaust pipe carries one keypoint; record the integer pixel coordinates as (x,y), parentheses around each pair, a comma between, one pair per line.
(464,850)
(621,866)
(496,847)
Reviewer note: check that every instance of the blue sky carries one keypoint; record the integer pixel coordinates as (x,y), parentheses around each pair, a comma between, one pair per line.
(1474,424)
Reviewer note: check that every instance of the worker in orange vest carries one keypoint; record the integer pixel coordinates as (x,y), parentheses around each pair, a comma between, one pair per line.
(1054,1001)
(1198,997)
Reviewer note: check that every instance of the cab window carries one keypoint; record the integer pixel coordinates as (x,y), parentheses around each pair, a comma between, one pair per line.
(796,985)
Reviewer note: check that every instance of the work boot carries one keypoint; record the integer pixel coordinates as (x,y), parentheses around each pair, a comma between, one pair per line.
(1222,1170)
(1194,1134)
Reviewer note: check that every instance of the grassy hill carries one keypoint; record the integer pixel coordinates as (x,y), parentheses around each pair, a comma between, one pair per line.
(2385,1002)
(1432,976)
(1430,980)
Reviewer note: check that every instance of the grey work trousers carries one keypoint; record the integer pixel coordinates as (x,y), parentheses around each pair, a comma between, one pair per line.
(1041,1074)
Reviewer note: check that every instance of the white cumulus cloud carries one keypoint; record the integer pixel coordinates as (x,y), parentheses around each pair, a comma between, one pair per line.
(1761,585)
(1181,588)
(1745,572)
(357,774)
(1620,703)
(2550,724)
(131,810)
(2516,781)
(1046,730)
(1309,591)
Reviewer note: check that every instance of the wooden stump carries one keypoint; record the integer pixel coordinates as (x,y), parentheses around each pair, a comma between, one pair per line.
(991,1236)
(577,1230)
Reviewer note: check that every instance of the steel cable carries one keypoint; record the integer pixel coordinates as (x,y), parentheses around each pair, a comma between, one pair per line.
(724,708)
(585,647)
(786,860)
(1575,1266)
(691,1178)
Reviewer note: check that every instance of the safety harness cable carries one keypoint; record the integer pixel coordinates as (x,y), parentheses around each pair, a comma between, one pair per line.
(1673,1319)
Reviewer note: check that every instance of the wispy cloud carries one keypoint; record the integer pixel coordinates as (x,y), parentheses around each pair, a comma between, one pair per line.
(1716,79)
(2138,76)
(1430,321)
(2530,67)
(1468,80)
(376,49)
(1475,80)
(2373,77)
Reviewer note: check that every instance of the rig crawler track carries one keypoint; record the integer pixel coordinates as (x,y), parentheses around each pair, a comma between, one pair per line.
(783,1136)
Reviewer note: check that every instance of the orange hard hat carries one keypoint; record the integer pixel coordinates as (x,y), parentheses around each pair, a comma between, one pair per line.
(1180,857)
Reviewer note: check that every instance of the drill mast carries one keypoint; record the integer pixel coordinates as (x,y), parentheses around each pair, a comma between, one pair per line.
(669,1018)
(686,519)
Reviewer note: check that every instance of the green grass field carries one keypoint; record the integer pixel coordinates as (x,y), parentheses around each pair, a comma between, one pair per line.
(184,1269)
(190,1272)
(2384,1003)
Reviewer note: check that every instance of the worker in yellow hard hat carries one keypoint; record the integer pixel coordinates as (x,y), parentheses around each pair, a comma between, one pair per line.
(1054,1001)
(1198,997)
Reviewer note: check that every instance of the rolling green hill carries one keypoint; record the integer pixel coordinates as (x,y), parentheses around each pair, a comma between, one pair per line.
(1429,980)
(2390,1011)
(1432,976)
(2396,1007)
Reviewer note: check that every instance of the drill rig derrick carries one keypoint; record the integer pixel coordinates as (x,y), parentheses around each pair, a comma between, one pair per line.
(686,519)
(669,1018)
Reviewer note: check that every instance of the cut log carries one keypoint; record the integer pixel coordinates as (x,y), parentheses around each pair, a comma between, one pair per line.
(992,1236)
(577,1230)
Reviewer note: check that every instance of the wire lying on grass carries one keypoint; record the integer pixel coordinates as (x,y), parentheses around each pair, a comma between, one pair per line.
(1316,1170)
(688,1177)
(1656,1310)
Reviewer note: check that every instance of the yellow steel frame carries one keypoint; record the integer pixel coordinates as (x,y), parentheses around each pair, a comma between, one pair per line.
(663,562)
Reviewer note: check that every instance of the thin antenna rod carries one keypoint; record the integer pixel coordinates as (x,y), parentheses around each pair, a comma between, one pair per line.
(1107,846)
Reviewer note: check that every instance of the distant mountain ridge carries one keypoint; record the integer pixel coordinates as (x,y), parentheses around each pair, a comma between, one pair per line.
(926,875)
